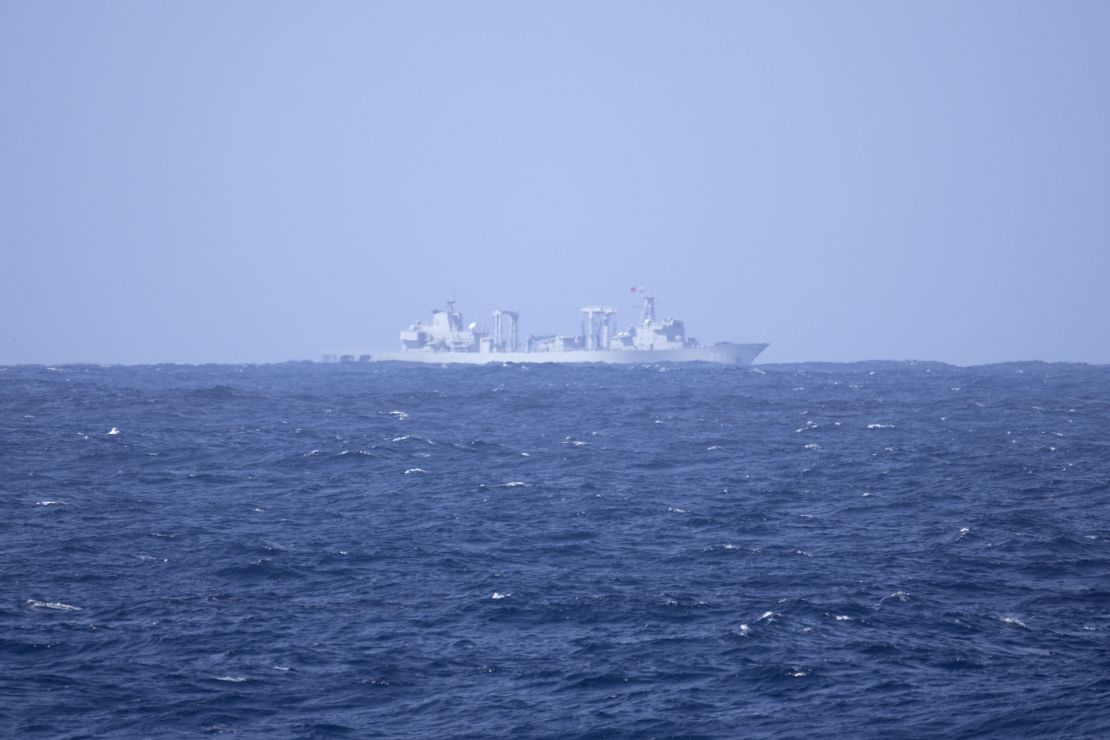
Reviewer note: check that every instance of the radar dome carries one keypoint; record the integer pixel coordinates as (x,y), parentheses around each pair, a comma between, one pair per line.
(473,326)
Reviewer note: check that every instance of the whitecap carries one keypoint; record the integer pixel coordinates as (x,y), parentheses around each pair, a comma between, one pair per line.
(768,617)
(280,667)
(745,630)
(399,415)
(113,432)
(713,447)
(797,674)
(965,531)
(232,679)
(497,596)
(897,596)
(56,605)
(880,426)
(813,446)
(842,618)
(1011,619)
(311,453)
(49,503)
(410,471)
(513,484)
(676,510)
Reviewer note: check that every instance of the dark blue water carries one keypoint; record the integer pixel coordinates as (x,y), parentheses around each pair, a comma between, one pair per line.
(877,550)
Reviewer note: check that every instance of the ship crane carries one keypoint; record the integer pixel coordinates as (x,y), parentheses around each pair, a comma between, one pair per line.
(599,326)
(499,343)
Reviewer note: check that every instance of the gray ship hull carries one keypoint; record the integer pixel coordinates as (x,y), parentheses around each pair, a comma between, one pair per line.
(725,353)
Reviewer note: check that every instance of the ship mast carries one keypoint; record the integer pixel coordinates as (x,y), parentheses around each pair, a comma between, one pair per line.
(647,311)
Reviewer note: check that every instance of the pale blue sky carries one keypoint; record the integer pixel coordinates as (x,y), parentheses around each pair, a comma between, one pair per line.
(211,181)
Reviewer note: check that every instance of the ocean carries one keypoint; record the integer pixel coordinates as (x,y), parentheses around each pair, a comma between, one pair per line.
(875,550)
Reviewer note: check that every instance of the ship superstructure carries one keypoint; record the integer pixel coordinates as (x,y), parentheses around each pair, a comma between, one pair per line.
(449,339)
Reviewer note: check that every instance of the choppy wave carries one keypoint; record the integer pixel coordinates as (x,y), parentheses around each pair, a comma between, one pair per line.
(868,550)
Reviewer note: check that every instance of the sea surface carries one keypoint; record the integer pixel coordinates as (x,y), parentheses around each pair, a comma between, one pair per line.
(788,551)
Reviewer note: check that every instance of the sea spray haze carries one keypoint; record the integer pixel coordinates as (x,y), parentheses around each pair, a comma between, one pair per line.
(846,180)
(871,550)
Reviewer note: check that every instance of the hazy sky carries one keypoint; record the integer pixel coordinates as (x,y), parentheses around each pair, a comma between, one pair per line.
(240,181)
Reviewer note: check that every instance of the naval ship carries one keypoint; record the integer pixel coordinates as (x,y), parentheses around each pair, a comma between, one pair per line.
(448,339)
